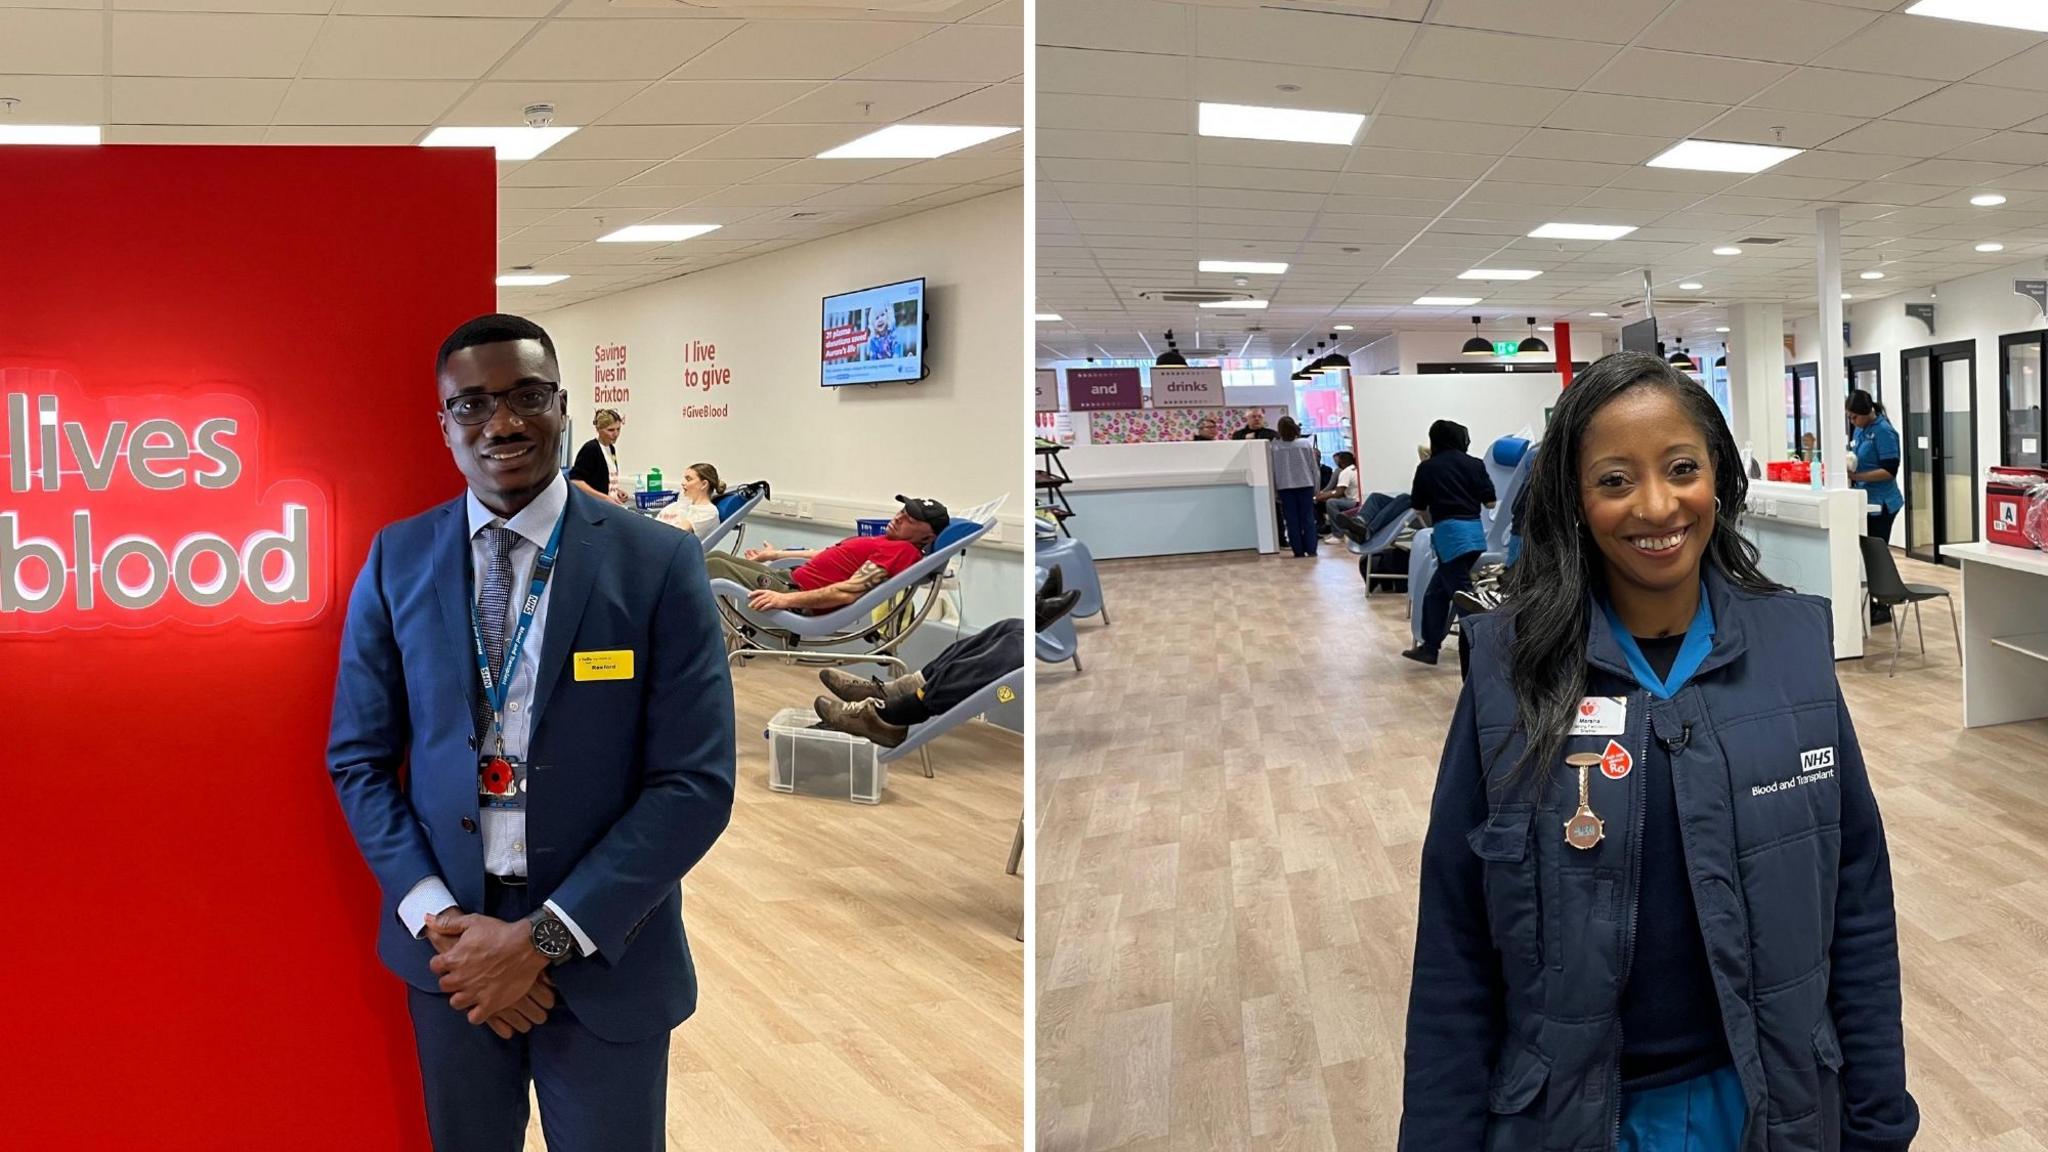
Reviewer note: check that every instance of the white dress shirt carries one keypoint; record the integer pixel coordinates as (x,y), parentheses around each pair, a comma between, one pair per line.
(504,832)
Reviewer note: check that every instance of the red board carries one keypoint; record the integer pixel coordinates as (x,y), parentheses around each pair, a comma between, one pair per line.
(237,346)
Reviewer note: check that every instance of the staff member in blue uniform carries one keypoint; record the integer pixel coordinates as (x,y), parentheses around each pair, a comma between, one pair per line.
(1876,444)
(533,741)
(1656,907)
(1450,488)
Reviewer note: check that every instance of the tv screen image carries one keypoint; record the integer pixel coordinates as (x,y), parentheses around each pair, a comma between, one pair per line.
(875,335)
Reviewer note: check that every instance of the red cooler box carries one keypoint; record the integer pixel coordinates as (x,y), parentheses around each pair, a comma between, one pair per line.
(2016,506)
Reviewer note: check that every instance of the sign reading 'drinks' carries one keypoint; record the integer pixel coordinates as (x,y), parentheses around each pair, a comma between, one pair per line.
(131,511)
(1187,387)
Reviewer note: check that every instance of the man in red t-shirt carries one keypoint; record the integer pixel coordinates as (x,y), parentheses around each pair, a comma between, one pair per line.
(837,576)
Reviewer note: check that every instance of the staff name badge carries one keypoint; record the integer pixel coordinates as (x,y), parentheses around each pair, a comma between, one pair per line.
(1601,716)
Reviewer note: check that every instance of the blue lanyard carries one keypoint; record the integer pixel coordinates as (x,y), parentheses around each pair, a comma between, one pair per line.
(1699,640)
(495,691)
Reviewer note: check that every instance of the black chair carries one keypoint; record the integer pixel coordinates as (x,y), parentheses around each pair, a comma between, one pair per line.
(1883,585)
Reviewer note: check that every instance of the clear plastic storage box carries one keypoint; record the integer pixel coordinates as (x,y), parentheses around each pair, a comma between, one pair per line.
(796,745)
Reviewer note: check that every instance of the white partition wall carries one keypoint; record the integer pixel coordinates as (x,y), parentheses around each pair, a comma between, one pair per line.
(1391,416)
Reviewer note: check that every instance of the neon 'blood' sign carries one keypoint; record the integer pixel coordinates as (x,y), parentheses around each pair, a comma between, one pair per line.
(131,511)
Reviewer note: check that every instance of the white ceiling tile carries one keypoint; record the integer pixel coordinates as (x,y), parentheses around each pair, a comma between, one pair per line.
(1128,114)
(1403,162)
(789,50)
(1713,79)
(1843,165)
(1919,46)
(1271,154)
(1427,98)
(611,49)
(1580,173)
(590,174)
(776,141)
(375,134)
(1601,21)
(872,102)
(1778,126)
(2005,148)
(762,194)
(1103,73)
(1892,192)
(57,99)
(1466,54)
(209,100)
(1130,25)
(1117,146)
(719,172)
(409,48)
(1975,106)
(209,44)
(1599,112)
(650,196)
(302,7)
(374,102)
(1441,135)
(532,8)
(1286,36)
(995,104)
(959,168)
(1605,147)
(577,102)
(982,53)
(1322,89)
(1886,136)
(182,134)
(1843,93)
(832,171)
(1957,173)
(649,142)
(1772,184)
(707,102)
(1786,31)
(47,42)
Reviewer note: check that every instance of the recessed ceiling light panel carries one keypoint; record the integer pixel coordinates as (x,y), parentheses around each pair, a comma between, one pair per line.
(1987,200)
(1499,274)
(1991,246)
(1341,327)
(656,233)
(1246,267)
(1048,317)
(1252,304)
(49,133)
(915,141)
(1720,156)
(1446,301)
(2025,14)
(530,279)
(1872,276)
(1597,315)
(1720,330)
(1289,125)
(509,143)
(1691,286)
(1556,231)
(1727,250)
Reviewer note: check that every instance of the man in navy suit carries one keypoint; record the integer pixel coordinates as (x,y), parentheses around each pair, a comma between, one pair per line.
(533,742)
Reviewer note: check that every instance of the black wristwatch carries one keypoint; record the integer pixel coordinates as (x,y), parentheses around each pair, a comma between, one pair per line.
(551,937)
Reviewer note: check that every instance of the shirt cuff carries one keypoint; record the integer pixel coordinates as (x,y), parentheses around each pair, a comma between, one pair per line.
(426,898)
(582,941)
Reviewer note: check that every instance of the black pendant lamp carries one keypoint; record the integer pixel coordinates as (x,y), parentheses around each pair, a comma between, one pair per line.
(1301,372)
(1478,345)
(1334,358)
(1682,362)
(1533,343)
(1171,358)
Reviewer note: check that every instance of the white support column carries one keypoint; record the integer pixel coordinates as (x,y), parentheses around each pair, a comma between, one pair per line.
(1831,386)
(1756,377)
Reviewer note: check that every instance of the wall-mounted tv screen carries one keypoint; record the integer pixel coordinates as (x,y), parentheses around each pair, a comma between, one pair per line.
(875,335)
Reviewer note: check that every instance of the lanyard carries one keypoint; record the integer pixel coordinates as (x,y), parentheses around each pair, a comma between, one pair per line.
(1699,640)
(495,691)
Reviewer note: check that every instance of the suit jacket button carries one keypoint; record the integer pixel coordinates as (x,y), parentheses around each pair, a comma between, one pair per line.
(468,825)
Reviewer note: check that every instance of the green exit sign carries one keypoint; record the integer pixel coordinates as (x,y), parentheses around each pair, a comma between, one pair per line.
(1506,347)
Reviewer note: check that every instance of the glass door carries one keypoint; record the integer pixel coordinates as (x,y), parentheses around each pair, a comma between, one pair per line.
(1865,372)
(2020,358)
(1802,413)
(1941,447)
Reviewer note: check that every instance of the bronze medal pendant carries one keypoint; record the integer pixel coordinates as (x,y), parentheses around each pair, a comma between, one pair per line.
(1585,829)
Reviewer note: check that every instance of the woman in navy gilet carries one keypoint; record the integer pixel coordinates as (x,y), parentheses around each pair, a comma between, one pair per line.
(1656,909)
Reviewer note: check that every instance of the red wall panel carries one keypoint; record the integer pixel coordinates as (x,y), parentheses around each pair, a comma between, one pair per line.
(192,959)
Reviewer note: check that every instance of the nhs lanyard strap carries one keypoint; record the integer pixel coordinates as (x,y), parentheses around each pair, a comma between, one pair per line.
(495,691)
(1699,640)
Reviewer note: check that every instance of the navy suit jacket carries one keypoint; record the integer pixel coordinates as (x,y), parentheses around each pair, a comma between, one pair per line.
(629,781)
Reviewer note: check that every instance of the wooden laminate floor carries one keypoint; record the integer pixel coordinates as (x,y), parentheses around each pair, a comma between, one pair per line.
(1232,800)
(860,984)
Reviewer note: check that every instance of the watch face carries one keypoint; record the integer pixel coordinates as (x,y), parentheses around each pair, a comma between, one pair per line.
(552,938)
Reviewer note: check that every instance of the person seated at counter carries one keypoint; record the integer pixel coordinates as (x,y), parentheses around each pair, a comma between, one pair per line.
(1206,430)
(836,576)
(882,711)
(1254,427)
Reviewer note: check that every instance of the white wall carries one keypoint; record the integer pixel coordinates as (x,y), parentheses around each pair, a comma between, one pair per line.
(833,454)
(1395,412)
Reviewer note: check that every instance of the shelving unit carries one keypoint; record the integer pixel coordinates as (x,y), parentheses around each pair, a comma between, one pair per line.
(1052,481)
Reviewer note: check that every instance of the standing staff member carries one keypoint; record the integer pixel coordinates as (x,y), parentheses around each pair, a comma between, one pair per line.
(596,470)
(1449,489)
(1656,909)
(1876,444)
(529,649)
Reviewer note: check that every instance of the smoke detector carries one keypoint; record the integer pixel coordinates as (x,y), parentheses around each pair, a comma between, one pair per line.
(540,115)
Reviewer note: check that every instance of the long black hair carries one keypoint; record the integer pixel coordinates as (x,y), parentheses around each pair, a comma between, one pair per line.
(1861,404)
(1559,567)
(1289,430)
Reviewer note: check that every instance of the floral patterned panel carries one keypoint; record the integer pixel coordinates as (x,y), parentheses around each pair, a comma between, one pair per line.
(1153,425)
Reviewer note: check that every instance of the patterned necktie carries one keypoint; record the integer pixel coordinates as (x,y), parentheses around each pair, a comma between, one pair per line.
(493,603)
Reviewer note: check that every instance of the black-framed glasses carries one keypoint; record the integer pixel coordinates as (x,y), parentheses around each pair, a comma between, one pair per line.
(527,400)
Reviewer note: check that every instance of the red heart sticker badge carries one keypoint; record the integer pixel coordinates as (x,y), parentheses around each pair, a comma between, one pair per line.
(1615,762)
(1587,708)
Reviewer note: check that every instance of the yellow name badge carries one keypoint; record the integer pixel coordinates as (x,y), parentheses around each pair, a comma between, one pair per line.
(604,665)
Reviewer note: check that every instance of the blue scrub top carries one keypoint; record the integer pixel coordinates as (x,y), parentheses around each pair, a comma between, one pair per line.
(1880,441)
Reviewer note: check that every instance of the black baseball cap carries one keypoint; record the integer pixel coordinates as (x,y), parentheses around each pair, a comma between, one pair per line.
(929,512)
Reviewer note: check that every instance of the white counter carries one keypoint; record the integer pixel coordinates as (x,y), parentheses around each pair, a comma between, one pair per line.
(1806,540)
(1171,498)
(2005,633)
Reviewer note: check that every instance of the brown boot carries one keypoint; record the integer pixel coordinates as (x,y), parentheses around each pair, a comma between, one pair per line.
(853,689)
(862,718)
